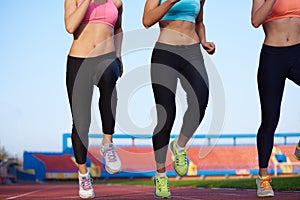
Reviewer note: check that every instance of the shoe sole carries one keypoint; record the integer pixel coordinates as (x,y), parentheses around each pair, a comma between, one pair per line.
(89,197)
(161,197)
(173,154)
(266,195)
(110,171)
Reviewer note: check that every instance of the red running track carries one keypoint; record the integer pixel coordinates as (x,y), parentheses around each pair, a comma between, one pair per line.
(118,192)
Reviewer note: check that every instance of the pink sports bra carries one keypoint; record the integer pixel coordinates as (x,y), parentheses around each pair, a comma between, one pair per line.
(284,9)
(101,13)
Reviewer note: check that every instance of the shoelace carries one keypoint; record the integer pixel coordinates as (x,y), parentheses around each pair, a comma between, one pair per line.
(111,154)
(181,158)
(162,184)
(265,183)
(86,184)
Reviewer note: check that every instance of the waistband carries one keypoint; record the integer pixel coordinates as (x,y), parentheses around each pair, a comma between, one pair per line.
(280,49)
(164,46)
(110,55)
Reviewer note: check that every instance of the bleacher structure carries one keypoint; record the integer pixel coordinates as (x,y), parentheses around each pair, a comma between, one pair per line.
(232,159)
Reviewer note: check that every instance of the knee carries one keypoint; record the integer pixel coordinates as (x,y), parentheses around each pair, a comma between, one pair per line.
(81,128)
(266,131)
(163,129)
(269,125)
(165,118)
(165,121)
(202,110)
(197,104)
(160,140)
(79,140)
(194,115)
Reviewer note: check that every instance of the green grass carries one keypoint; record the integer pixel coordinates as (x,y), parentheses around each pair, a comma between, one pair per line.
(278,184)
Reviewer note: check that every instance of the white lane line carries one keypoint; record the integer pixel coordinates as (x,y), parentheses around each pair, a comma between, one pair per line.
(22,195)
(188,198)
(29,193)
(225,189)
(69,197)
(228,194)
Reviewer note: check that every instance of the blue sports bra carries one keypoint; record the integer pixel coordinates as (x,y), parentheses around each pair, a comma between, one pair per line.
(186,10)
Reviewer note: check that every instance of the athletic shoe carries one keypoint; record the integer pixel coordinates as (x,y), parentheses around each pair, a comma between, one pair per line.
(264,188)
(297,153)
(180,160)
(113,163)
(162,189)
(86,190)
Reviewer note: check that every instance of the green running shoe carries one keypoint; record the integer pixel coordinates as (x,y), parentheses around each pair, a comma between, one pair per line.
(180,161)
(162,189)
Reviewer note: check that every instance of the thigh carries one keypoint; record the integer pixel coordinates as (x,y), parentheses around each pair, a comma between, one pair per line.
(194,78)
(163,75)
(81,97)
(294,72)
(106,73)
(73,65)
(271,78)
(294,75)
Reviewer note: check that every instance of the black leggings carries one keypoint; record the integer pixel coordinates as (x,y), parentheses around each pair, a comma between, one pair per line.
(276,65)
(168,64)
(82,75)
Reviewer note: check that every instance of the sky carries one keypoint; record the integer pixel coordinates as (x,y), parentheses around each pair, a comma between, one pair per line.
(34,109)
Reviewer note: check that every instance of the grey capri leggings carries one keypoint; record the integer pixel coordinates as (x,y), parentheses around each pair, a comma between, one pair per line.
(82,75)
(170,63)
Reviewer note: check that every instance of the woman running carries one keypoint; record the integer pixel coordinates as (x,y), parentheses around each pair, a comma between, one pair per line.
(176,55)
(94,59)
(297,151)
(279,60)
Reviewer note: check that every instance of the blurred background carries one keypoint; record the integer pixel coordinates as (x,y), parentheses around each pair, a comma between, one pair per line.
(34,109)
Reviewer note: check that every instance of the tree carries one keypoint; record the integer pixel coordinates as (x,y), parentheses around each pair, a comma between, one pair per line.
(3,153)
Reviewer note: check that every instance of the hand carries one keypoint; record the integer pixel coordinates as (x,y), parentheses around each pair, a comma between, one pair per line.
(174,1)
(209,47)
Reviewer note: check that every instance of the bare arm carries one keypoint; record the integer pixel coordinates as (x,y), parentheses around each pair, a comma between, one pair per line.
(153,12)
(200,29)
(74,15)
(118,35)
(260,11)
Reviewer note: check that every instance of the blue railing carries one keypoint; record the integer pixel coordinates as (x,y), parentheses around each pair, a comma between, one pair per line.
(234,137)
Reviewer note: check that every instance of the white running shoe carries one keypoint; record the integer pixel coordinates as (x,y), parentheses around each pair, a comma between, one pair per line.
(113,163)
(264,188)
(86,190)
